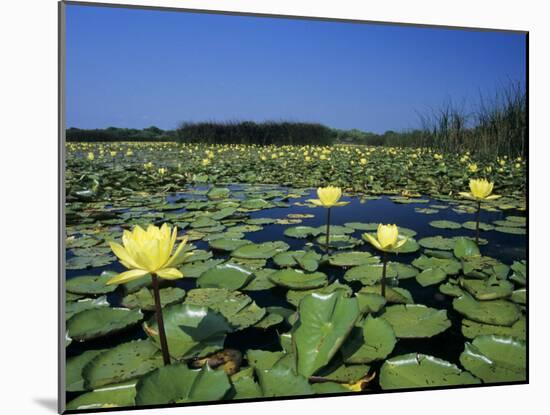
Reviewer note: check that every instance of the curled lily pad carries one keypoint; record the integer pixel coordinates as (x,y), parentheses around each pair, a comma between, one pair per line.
(298,280)
(263,250)
(101,321)
(191,330)
(325,321)
(495,358)
(260,281)
(370,302)
(373,340)
(228,275)
(122,363)
(415,370)
(369,274)
(179,384)
(498,312)
(416,320)
(91,284)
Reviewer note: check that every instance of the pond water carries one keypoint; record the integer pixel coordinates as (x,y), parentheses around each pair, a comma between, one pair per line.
(447,345)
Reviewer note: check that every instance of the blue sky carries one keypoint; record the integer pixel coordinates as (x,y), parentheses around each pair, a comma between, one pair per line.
(136,68)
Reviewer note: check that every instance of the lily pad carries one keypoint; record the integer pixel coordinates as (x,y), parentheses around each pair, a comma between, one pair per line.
(373,340)
(179,384)
(263,250)
(301,232)
(415,370)
(144,299)
(472,329)
(396,295)
(445,224)
(431,276)
(191,330)
(497,312)
(437,242)
(111,396)
(295,296)
(122,363)
(281,380)
(325,321)
(465,247)
(101,321)
(227,244)
(74,382)
(490,289)
(228,275)
(196,268)
(416,320)
(298,280)
(91,284)
(351,259)
(495,359)
(369,274)
(75,307)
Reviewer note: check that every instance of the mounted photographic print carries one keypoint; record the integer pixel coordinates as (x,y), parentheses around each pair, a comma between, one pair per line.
(279,207)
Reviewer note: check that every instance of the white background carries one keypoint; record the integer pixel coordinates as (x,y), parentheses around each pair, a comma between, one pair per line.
(28,238)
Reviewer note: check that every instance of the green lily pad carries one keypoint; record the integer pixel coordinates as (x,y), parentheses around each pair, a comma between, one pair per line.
(76,307)
(111,396)
(239,309)
(91,284)
(496,359)
(511,230)
(369,274)
(281,380)
(437,242)
(471,225)
(374,340)
(179,384)
(101,321)
(122,363)
(196,268)
(415,370)
(301,232)
(191,330)
(295,296)
(307,260)
(227,244)
(144,299)
(490,289)
(395,295)
(351,259)
(263,359)
(450,266)
(370,302)
(416,320)
(74,382)
(497,312)
(472,329)
(298,280)
(431,276)
(228,275)
(465,247)
(404,271)
(263,250)
(519,296)
(217,193)
(339,241)
(260,281)
(445,224)
(325,321)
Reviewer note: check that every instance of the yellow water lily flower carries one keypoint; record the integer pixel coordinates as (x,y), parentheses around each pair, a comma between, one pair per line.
(328,197)
(149,252)
(480,189)
(387,238)
(472,167)
(91,156)
(363,161)
(162,171)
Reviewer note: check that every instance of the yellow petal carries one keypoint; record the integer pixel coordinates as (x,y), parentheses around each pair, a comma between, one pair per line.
(169,273)
(123,255)
(372,240)
(316,202)
(178,258)
(127,276)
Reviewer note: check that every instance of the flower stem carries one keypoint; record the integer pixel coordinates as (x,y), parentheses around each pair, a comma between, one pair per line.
(477,221)
(328,230)
(160,321)
(383,280)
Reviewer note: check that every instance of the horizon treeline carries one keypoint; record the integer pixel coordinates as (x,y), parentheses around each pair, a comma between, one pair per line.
(498,126)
